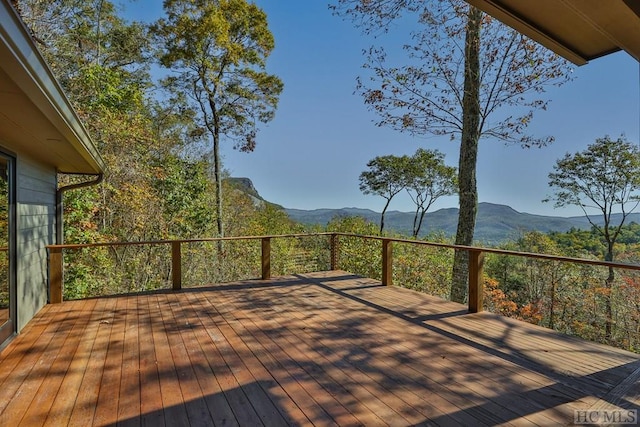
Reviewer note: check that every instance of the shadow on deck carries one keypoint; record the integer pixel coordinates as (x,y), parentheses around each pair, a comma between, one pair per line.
(320,348)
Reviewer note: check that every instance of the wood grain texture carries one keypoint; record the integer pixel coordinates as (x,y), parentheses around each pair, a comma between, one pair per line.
(326,348)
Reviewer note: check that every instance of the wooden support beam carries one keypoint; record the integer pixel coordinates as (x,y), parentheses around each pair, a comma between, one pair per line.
(387,262)
(476,284)
(176,266)
(266,258)
(55,275)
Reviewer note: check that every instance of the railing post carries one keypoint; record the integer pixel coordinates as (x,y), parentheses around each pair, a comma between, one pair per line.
(266,258)
(55,275)
(176,266)
(335,250)
(387,262)
(476,289)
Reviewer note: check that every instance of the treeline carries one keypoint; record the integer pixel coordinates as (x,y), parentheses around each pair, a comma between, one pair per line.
(568,297)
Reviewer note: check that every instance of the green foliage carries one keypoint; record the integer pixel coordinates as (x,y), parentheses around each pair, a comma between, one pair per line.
(219,50)
(423,268)
(357,255)
(427,178)
(606,178)
(186,193)
(424,176)
(571,298)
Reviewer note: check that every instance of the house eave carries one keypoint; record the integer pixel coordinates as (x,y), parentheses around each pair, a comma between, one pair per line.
(38,117)
(578,30)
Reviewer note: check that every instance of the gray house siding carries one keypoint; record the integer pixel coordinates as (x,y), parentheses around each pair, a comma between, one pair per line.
(35,228)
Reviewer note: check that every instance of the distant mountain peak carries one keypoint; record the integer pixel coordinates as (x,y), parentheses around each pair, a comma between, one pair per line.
(245,185)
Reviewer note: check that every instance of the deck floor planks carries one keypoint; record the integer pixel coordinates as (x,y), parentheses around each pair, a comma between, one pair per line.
(493,328)
(151,413)
(255,381)
(13,353)
(301,386)
(109,392)
(220,413)
(293,414)
(309,349)
(26,383)
(529,341)
(285,363)
(175,322)
(173,408)
(360,387)
(325,376)
(129,394)
(87,395)
(50,383)
(355,350)
(211,338)
(415,401)
(18,358)
(559,354)
(382,357)
(84,409)
(60,412)
(552,392)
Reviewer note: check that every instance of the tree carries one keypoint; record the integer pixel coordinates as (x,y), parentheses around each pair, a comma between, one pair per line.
(604,178)
(385,178)
(97,57)
(462,70)
(218,51)
(427,178)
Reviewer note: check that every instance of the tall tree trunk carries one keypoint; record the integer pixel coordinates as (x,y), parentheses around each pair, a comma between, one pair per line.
(608,309)
(552,304)
(217,166)
(217,172)
(384,211)
(418,226)
(468,192)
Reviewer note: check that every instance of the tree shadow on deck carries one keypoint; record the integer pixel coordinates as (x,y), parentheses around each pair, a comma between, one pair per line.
(250,404)
(309,349)
(398,369)
(610,385)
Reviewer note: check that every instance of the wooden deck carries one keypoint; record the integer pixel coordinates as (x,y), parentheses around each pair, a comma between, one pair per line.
(315,349)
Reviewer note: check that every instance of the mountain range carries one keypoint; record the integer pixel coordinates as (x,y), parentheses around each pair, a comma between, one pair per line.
(494,224)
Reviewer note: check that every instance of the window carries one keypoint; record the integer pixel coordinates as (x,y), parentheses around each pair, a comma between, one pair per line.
(7,251)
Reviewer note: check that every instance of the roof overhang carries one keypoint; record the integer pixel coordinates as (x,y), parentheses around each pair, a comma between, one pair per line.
(36,118)
(578,30)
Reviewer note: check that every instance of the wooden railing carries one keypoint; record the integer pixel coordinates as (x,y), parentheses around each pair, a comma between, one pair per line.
(476,259)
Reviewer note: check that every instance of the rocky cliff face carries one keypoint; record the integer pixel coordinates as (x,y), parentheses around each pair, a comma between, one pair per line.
(246,186)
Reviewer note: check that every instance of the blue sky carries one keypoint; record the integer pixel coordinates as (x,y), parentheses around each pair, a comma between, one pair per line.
(311,154)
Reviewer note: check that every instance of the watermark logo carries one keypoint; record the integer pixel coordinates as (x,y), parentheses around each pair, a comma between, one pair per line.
(606,418)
